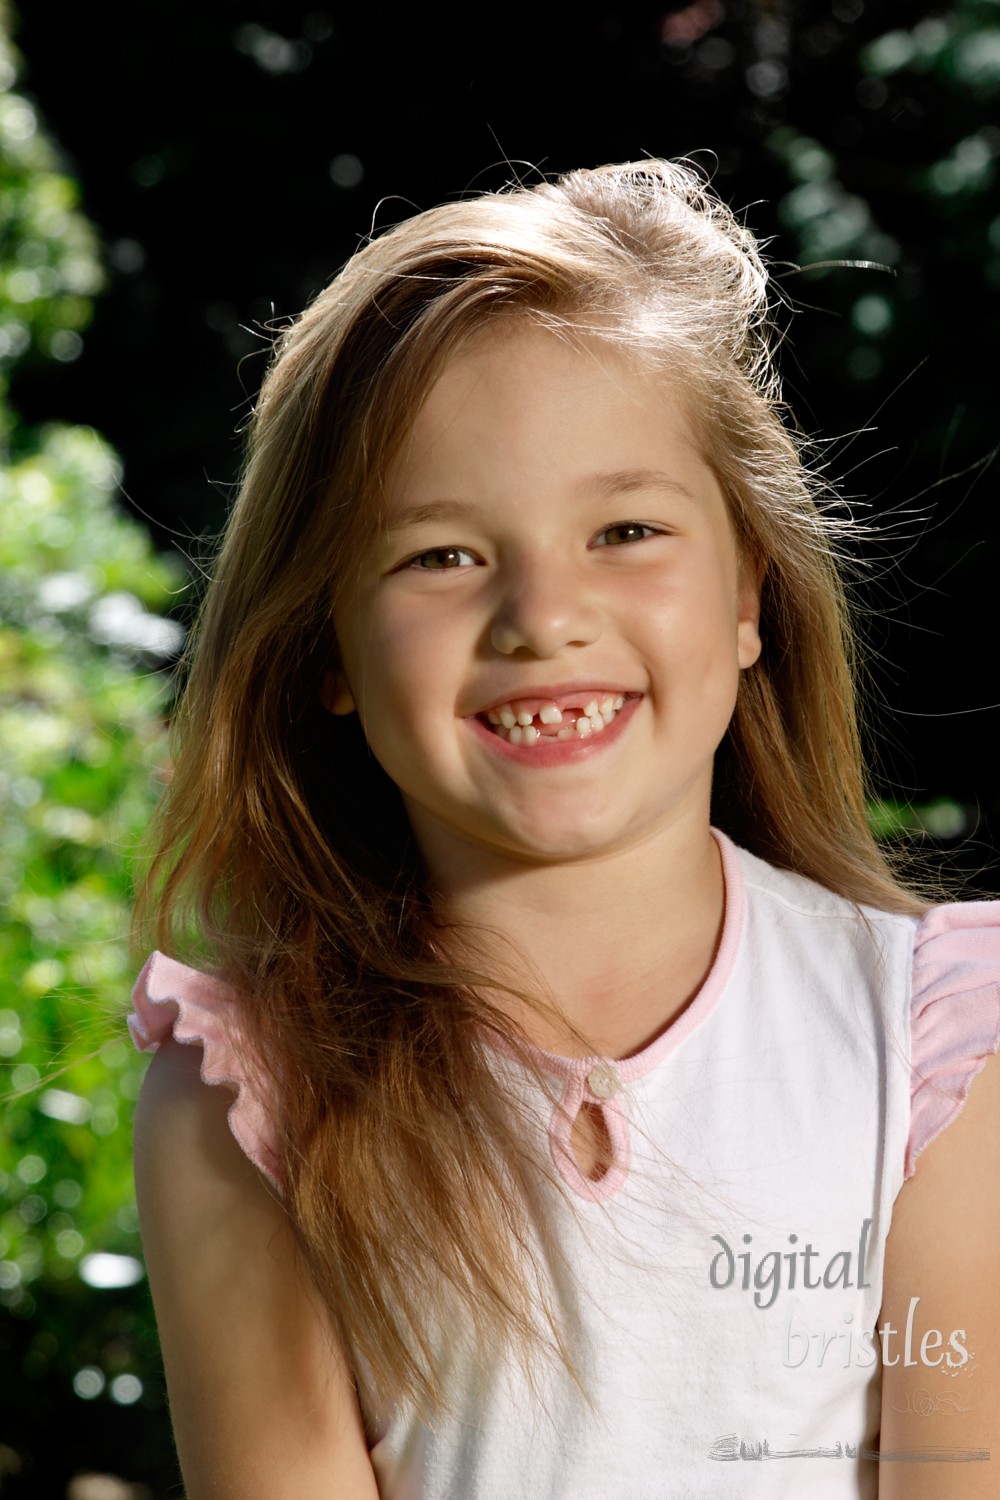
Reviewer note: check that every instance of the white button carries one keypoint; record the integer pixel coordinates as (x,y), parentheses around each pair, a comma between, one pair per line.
(604,1081)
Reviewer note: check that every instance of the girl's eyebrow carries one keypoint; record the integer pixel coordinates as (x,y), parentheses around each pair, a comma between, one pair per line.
(618,482)
(433,510)
(621,481)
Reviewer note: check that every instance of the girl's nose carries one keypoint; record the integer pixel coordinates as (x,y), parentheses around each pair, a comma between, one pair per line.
(544,606)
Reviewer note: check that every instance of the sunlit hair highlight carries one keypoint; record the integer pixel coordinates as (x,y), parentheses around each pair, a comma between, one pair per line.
(283,860)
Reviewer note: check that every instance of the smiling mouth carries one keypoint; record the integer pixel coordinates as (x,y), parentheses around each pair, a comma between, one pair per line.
(521,723)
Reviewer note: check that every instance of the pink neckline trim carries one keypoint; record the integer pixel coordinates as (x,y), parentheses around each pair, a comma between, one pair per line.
(694,1013)
(575,1071)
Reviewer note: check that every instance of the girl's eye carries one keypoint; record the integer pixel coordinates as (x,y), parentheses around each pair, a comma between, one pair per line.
(439,559)
(623,532)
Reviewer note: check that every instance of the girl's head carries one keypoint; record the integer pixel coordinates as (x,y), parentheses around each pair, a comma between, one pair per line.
(638,265)
(554,546)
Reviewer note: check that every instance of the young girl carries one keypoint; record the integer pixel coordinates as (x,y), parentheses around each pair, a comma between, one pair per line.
(582,1041)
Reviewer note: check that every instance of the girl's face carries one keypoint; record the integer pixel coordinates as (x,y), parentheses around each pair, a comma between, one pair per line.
(559,556)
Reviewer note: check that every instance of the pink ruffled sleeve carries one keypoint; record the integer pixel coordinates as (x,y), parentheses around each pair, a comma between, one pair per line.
(171,999)
(955,1014)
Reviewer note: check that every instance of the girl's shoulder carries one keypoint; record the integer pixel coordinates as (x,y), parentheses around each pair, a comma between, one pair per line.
(247,1347)
(172,999)
(940,1254)
(950,957)
(955,1013)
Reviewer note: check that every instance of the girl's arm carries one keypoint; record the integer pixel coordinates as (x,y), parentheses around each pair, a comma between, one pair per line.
(944,1248)
(262,1403)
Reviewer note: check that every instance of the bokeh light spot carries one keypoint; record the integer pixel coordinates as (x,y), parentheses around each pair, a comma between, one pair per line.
(126,1389)
(872,315)
(88,1382)
(108,1271)
(346,170)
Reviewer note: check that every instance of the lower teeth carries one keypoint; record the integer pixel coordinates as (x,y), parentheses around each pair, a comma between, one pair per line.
(529,735)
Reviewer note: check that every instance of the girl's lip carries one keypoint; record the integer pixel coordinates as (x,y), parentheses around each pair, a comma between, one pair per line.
(557,752)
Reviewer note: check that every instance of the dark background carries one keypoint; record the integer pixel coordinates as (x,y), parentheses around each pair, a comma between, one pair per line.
(233,152)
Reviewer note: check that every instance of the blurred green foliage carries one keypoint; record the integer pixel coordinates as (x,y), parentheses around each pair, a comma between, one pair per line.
(80,729)
(905,822)
(48,264)
(943,71)
(962,44)
(81,748)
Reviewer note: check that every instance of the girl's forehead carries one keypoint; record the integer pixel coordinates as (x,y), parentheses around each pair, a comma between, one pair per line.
(532,352)
(526,397)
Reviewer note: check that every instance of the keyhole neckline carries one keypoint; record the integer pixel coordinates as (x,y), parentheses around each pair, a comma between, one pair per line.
(612,1076)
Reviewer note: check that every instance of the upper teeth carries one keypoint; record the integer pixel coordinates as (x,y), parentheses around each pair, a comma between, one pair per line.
(515,720)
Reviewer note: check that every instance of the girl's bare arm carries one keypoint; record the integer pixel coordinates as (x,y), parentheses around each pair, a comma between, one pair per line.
(262,1403)
(943,1249)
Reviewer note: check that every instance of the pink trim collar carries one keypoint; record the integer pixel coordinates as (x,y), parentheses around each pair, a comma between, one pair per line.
(576,1071)
(697,1009)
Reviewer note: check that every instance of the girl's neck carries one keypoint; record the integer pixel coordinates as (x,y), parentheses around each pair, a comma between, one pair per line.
(621,944)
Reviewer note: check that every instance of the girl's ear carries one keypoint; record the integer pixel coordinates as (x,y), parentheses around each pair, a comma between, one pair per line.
(334,693)
(748,646)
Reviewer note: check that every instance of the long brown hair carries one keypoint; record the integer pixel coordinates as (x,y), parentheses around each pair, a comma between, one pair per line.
(282,857)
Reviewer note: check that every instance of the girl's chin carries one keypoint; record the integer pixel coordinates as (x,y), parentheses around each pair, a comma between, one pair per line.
(515,838)
(551,840)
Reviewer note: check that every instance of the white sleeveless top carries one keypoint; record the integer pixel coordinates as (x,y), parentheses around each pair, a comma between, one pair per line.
(725,1274)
